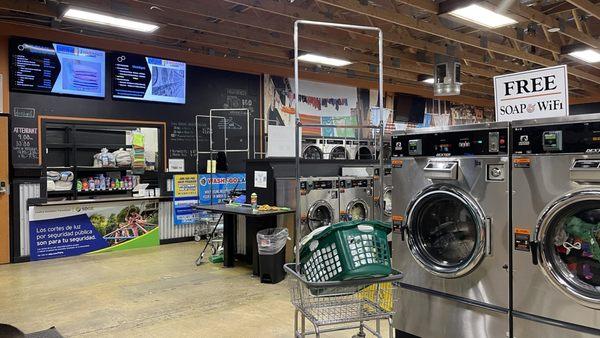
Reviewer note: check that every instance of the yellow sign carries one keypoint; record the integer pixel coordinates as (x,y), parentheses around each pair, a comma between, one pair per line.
(185,185)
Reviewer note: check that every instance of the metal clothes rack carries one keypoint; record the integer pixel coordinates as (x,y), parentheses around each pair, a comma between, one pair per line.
(299,124)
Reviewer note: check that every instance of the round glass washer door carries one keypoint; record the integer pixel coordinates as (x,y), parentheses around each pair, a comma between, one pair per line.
(364,153)
(319,214)
(387,201)
(357,210)
(338,153)
(446,231)
(568,233)
(312,153)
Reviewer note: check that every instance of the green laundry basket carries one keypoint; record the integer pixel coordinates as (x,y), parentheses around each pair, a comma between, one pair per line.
(346,250)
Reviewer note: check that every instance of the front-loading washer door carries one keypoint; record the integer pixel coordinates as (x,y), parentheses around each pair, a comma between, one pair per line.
(357,210)
(387,201)
(312,153)
(319,214)
(338,153)
(568,234)
(446,231)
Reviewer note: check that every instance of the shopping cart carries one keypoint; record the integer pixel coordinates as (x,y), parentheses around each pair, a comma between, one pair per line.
(211,227)
(342,305)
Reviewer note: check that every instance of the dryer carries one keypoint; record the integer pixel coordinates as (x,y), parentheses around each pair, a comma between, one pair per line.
(451,212)
(365,150)
(312,148)
(319,203)
(356,198)
(556,220)
(335,149)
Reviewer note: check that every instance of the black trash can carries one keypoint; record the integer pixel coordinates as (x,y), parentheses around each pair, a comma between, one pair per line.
(271,254)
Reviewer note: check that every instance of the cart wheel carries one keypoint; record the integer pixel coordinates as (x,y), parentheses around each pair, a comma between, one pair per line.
(359,335)
(197,238)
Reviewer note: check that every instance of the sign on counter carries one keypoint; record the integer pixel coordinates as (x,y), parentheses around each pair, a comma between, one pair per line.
(532,94)
(185,195)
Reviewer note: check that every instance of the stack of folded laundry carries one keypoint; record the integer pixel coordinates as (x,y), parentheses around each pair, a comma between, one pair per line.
(60,181)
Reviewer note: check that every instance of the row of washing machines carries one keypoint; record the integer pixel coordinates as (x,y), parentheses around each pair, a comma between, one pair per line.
(353,196)
(343,149)
(497,229)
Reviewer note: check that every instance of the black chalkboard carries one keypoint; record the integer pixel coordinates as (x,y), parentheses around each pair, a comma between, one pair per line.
(206,89)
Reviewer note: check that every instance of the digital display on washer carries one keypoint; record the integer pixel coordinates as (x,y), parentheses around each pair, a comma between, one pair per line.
(47,67)
(138,77)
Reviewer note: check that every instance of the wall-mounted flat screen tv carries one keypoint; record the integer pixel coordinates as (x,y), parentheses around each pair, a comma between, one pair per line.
(47,67)
(138,77)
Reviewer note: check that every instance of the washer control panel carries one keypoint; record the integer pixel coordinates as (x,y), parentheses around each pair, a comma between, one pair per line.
(575,137)
(452,143)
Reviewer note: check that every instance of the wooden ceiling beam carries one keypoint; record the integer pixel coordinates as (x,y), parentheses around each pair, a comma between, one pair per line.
(534,15)
(430,28)
(587,6)
(146,46)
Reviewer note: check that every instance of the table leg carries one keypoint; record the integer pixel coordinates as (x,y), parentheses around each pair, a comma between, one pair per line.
(229,224)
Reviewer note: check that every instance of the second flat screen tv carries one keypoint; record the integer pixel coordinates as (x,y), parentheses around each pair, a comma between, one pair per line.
(144,78)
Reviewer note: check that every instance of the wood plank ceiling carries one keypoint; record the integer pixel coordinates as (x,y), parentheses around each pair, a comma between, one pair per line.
(414,31)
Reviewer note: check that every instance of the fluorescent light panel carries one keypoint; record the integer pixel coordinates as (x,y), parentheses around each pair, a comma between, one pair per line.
(323,60)
(108,20)
(587,55)
(482,16)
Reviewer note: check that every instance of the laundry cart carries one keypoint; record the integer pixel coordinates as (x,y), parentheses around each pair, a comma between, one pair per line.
(342,305)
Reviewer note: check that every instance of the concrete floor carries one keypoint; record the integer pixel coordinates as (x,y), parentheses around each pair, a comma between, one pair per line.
(154,292)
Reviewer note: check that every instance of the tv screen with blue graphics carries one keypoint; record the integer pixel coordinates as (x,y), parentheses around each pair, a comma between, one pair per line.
(47,67)
(138,77)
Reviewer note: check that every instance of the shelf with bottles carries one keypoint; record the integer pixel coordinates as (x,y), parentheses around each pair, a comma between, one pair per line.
(102,183)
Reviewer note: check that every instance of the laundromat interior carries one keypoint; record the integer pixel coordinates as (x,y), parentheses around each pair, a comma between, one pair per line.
(300,168)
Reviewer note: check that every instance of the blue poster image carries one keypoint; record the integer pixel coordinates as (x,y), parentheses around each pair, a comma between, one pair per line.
(63,237)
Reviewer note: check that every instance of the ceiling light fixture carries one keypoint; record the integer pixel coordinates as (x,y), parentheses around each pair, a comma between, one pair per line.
(482,16)
(554,29)
(323,60)
(108,20)
(428,80)
(588,55)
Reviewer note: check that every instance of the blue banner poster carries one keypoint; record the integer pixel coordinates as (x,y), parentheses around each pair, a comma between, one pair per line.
(63,231)
(222,186)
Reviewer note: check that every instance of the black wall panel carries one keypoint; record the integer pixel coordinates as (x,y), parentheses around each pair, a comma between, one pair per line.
(206,89)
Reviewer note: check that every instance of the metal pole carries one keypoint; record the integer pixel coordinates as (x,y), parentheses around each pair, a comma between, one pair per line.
(381,124)
(296,86)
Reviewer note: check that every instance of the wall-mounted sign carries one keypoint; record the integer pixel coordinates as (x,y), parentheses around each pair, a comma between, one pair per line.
(532,94)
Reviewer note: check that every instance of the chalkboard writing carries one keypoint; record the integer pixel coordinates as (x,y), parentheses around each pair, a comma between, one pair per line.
(25,143)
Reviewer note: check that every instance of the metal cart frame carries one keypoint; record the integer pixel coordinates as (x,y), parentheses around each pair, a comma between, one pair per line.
(343,306)
(299,124)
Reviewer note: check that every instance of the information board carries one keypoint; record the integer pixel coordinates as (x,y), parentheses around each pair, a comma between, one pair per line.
(138,77)
(42,66)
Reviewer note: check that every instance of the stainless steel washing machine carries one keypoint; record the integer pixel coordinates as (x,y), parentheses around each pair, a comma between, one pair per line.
(556,227)
(335,149)
(356,198)
(319,203)
(451,215)
(312,148)
(388,188)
